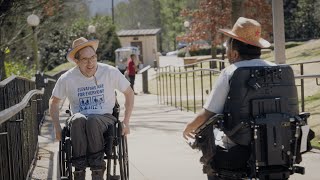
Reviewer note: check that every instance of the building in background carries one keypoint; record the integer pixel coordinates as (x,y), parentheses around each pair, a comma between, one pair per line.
(147,40)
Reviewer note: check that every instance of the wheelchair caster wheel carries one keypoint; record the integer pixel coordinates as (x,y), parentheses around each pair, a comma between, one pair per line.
(115,177)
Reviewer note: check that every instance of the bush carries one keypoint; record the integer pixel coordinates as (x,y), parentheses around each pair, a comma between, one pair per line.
(199,52)
(19,69)
(289,45)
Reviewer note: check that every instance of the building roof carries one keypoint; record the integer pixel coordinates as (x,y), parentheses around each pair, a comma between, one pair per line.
(138,32)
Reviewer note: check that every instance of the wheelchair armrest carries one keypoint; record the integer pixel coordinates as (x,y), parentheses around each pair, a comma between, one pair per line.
(210,122)
(304,115)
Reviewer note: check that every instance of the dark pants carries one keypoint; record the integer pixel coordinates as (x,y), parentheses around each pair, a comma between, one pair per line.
(131,80)
(87,139)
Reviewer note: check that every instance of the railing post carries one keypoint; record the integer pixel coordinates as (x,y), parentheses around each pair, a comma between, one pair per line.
(170,85)
(157,79)
(201,76)
(180,89)
(174,86)
(162,86)
(194,91)
(302,88)
(167,93)
(210,80)
(187,92)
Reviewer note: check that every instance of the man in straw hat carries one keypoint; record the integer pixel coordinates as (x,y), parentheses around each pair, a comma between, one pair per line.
(243,49)
(90,89)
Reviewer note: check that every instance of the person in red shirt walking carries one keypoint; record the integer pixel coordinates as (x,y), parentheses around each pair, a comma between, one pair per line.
(132,69)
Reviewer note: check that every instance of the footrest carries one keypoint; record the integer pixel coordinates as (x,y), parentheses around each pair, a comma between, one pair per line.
(298,169)
(115,177)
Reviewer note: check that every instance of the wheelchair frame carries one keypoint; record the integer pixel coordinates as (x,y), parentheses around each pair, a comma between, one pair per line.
(116,151)
(264,114)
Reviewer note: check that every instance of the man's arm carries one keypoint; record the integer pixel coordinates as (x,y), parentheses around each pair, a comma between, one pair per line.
(201,118)
(54,113)
(129,101)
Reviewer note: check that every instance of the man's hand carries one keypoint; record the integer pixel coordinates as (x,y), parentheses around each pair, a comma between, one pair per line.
(201,118)
(125,129)
(189,132)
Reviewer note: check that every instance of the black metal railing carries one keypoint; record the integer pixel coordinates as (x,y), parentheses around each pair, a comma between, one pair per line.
(22,109)
(302,78)
(186,86)
(191,87)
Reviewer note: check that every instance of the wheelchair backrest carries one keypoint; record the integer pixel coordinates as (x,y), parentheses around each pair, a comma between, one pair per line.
(256,92)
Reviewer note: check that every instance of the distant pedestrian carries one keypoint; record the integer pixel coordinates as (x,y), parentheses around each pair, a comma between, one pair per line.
(132,70)
(122,66)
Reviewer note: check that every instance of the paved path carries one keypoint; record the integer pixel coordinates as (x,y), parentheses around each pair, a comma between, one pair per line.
(156,149)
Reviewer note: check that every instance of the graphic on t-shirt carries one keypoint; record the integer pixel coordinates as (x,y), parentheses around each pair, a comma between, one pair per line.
(98,100)
(91,97)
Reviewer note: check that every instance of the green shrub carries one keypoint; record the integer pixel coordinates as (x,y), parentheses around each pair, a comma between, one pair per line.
(289,45)
(19,69)
(199,52)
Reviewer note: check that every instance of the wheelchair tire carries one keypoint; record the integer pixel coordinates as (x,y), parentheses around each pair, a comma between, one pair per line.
(65,156)
(125,157)
(68,157)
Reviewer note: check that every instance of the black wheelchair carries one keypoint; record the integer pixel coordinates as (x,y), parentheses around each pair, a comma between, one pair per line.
(116,151)
(261,115)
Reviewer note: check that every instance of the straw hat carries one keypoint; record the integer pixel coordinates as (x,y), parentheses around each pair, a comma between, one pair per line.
(79,44)
(247,31)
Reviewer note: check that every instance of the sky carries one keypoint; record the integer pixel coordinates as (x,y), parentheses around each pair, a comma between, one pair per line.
(101,6)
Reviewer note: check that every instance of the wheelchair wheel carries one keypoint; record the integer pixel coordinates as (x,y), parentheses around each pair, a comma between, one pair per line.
(65,157)
(117,155)
(123,155)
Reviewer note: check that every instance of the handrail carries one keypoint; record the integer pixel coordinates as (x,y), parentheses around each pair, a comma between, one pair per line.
(306,76)
(9,112)
(7,80)
(209,60)
(305,62)
(169,72)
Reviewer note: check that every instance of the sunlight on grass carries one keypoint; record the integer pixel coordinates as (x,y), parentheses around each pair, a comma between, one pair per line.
(60,68)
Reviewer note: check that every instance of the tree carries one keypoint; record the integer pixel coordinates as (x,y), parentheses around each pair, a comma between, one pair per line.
(205,22)
(260,10)
(215,14)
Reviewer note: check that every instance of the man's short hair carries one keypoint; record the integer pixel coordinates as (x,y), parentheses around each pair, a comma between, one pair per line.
(246,51)
(132,55)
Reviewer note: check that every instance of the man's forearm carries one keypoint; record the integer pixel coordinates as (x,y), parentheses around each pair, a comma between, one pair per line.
(129,101)
(54,113)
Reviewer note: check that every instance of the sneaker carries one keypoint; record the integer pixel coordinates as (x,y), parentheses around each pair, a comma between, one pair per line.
(97,174)
(79,175)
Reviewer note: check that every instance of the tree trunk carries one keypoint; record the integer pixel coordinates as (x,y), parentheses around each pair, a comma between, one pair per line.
(2,67)
(237,11)
(213,64)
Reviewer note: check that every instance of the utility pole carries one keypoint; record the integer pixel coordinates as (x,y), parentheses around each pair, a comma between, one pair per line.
(278,32)
(112,11)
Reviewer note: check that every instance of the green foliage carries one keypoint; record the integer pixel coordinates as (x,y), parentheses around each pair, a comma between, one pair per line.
(199,52)
(164,14)
(57,43)
(19,69)
(302,19)
(288,45)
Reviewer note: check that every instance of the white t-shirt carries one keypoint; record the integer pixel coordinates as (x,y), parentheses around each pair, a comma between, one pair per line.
(93,95)
(216,100)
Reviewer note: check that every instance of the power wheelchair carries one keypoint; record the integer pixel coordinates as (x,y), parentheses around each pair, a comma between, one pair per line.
(261,115)
(116,151)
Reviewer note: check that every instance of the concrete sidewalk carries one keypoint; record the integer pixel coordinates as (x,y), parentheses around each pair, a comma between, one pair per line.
(157,150)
